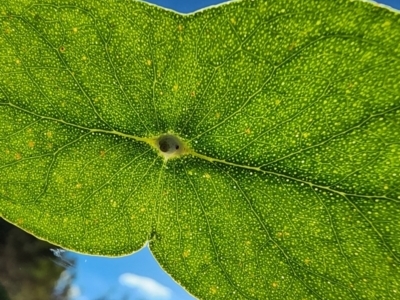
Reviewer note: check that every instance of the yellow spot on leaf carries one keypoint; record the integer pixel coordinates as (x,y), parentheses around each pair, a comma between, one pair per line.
(213,290)
(142,209)
(206,259)
(79,185)
(277,102)
(17,61)
(306,134)
(217,115)
(148,62)
(306,31)
(180,27)
(282,234)
(233,21)
(186,253)
(307,261)
(75,30)
(84,57)
(207,176)
(275,284)
(102,153)
(386,24)
(18,156)
(175,87)
(31,144)
(247,131)
(62,49)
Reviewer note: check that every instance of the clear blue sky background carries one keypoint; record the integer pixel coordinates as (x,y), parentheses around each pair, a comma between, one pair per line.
(97,276)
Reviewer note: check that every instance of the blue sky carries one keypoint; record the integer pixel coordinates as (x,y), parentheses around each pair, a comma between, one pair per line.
(137,275)
(392,3)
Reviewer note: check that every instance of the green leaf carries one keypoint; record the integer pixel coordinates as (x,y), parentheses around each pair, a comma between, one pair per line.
(286,183)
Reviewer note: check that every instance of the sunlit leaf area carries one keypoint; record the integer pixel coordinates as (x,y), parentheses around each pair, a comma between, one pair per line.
(248,150)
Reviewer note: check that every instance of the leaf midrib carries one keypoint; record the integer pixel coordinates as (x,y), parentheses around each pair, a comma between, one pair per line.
(223,161)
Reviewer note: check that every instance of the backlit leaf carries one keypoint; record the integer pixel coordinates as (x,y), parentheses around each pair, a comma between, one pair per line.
(279,177)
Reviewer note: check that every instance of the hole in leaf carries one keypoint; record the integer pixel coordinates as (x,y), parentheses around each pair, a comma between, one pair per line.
(170,145)
(164,146)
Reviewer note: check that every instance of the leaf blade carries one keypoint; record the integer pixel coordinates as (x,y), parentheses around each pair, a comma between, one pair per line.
(291,115)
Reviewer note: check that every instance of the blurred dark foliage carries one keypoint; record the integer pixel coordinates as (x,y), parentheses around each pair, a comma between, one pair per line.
(28,269)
